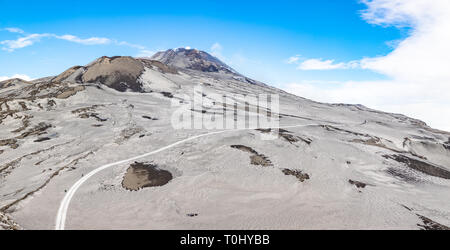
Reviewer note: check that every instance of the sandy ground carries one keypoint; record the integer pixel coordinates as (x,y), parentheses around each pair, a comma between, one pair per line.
(340,147)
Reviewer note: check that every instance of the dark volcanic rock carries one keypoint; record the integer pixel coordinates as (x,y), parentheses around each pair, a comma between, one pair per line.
(447,144)
(167,94)
(12,82)
(429,224)
(297,173)
(9,142)
(149,118)
(42,139)
(287,135)
(403,175)
(421,166)
(255,157)
(119,73)
(142,175)
(358,184)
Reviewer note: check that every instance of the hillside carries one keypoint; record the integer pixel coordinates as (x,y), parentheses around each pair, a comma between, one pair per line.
(326,166)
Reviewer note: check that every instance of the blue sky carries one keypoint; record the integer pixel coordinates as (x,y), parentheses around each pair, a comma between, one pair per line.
(254,35)
(384,54)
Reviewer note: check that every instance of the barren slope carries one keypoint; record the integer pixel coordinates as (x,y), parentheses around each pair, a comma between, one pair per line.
(366,169)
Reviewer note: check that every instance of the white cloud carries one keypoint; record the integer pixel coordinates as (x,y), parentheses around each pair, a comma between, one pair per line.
(88,41)
(216,47)
(423,56)
(413,99)
(293,59)
(22,42)
(21,76)
(25,41)
(418,66)
(28,40)
(136,46)
(319,64)
(15,30)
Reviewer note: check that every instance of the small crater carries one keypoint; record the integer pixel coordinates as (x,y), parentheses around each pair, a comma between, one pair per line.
(297,173)
(143,175)
(191,215)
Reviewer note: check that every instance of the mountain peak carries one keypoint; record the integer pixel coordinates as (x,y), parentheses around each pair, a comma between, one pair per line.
(193,59)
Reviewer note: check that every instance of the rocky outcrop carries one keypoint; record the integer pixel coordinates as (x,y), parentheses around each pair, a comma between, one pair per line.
(421,166)
(119,73)
(12,82)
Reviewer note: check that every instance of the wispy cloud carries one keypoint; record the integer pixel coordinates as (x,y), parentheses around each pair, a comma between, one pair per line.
(216,47)
(293,59)
(30,39)
(319,64)
(22,42)
(216,50)
(131,45)
(14,30)
(88,41)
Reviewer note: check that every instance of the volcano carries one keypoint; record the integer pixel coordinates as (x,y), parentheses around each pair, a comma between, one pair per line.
(326,166)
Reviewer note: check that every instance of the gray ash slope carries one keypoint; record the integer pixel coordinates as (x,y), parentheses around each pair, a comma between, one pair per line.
(366,168)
